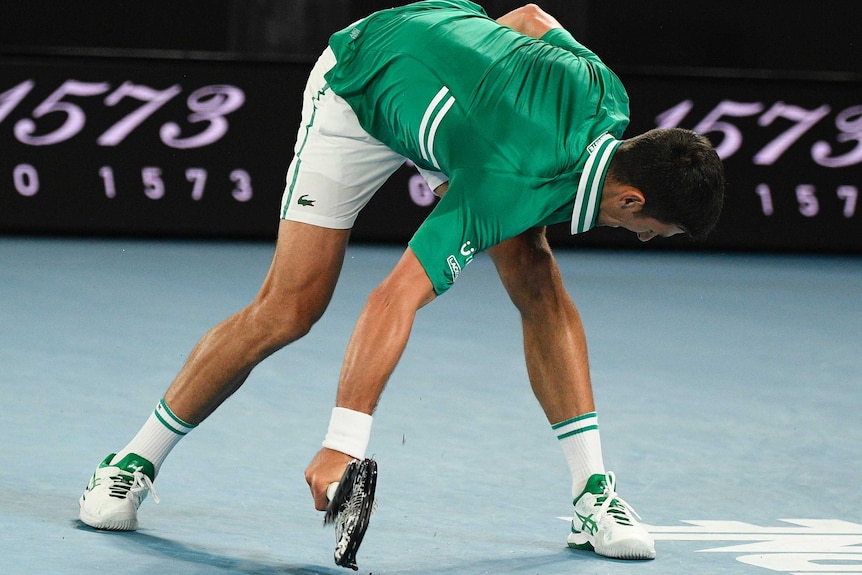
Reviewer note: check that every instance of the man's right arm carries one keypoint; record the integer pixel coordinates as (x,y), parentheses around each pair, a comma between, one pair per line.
(532,21)
(529,20)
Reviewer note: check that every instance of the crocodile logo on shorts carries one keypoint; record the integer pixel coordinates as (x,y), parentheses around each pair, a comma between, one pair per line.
(302,201)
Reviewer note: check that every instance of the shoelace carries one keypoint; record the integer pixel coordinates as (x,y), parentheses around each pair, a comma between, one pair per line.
(614,505)
(139,482)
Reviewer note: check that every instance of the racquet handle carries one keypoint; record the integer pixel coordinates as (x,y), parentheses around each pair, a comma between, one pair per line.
(330,491)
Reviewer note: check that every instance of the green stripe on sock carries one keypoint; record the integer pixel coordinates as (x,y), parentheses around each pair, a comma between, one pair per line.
(185,426)
(592,414)
(166,424)
(577,431)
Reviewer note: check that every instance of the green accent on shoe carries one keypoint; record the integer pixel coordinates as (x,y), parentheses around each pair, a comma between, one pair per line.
(595,485)
(131,463)
(583,546)
(588,524)
(107,460)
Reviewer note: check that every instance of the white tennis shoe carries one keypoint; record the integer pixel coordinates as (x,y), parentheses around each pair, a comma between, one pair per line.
(606,524)
(115,492)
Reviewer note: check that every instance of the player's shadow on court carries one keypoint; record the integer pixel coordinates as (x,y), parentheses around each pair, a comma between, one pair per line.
(176,552)
(180,552)
(562,561)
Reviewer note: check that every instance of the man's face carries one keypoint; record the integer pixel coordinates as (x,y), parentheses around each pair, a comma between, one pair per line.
(645,227)
(622,207)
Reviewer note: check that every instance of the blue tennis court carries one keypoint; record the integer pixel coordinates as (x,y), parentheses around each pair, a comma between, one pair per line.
(727,385)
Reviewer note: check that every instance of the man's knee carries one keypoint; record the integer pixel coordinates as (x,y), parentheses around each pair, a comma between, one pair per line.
(276,321)
(298,287)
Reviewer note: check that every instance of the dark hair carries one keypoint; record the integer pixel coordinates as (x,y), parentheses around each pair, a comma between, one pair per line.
(679,174)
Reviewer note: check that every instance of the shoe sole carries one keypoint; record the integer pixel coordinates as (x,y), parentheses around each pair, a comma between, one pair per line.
(114,524)
(631,549)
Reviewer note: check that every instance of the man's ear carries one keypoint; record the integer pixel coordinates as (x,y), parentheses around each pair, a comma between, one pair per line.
(631,198)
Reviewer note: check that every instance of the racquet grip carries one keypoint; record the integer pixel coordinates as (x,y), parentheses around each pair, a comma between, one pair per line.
(330,491)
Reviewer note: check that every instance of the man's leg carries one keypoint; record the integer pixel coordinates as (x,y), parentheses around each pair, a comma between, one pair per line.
(294,295)
(555,348)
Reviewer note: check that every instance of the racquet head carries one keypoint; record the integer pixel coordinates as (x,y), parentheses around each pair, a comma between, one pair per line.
(350,509)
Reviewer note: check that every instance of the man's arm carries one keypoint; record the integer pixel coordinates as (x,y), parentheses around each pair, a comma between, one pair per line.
(375,347)
(532,21)
(529,20)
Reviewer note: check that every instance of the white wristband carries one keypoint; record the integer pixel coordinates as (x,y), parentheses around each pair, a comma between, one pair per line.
(349,432)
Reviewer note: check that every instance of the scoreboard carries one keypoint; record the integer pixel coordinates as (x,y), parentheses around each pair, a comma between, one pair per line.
(200,148)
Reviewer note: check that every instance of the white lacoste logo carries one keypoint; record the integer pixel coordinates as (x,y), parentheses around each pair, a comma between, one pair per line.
(800,547)
(454,266)
(468,252)
(595,143)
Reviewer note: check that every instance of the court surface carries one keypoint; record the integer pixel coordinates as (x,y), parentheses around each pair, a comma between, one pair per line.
(729,392)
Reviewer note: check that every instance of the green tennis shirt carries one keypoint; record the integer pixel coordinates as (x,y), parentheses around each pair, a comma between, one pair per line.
(525,128)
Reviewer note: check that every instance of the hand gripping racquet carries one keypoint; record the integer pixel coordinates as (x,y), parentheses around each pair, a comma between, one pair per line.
(351,503)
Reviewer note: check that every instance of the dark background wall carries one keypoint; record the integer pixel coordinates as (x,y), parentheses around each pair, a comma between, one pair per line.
(730,34)
(758,77)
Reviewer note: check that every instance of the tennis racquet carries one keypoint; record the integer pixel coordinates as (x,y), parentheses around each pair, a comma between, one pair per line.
(351,503)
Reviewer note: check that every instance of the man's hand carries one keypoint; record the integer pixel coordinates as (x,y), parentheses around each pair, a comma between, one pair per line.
(529,20)
(326,468)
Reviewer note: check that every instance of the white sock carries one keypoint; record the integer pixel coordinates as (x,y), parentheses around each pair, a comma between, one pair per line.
(582,446)
(162,431)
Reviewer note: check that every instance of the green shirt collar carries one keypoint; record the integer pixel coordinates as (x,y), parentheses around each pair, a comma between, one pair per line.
(589,194)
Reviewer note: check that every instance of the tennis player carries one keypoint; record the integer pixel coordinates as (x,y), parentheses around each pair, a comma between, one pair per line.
(517,126)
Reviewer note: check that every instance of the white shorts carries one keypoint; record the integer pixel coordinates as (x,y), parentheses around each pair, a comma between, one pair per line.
(337,166)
